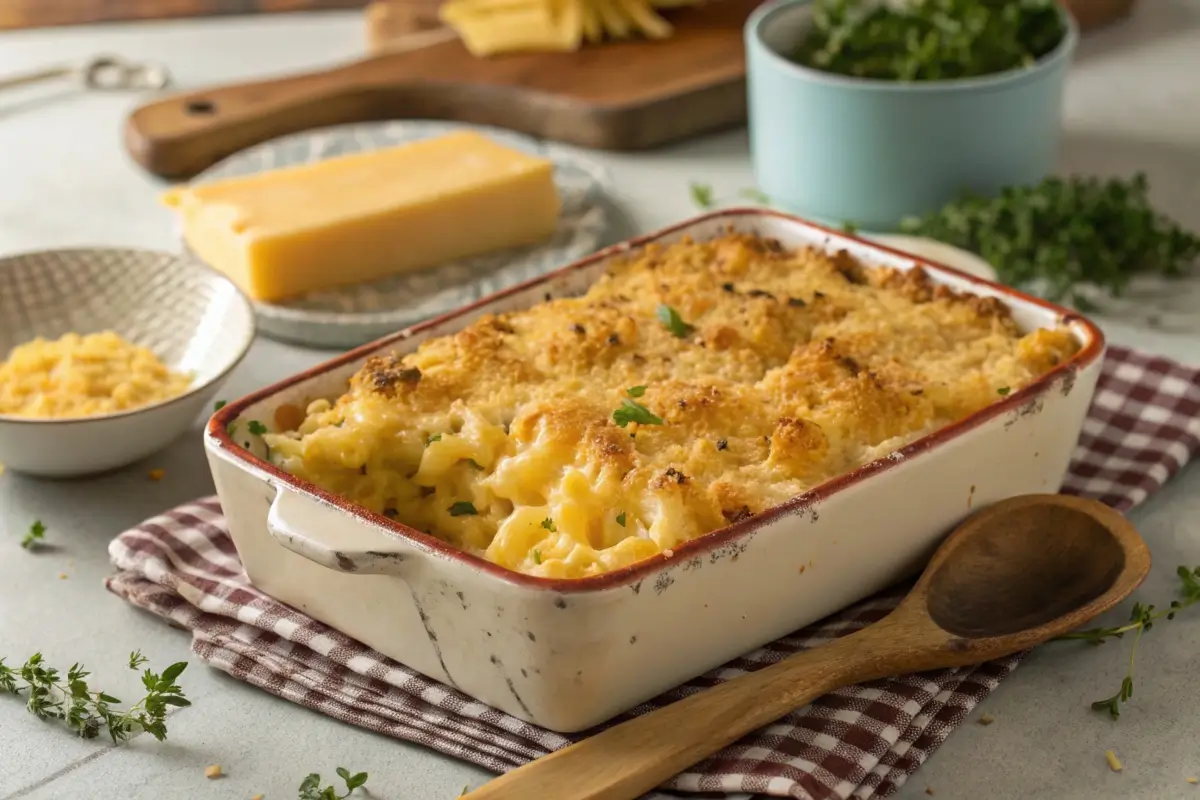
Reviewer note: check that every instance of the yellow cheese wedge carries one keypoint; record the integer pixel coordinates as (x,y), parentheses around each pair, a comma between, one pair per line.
(365,216)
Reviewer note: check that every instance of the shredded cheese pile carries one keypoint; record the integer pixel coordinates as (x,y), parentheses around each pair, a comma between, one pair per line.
(81,376)
(490,27)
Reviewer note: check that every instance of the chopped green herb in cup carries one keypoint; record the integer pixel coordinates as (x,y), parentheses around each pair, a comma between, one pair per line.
(929,40)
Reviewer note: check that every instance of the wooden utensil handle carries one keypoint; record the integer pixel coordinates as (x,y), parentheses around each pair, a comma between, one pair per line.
(628,760)
(183,134)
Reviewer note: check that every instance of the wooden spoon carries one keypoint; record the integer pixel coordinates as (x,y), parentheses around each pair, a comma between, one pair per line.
(1012,576)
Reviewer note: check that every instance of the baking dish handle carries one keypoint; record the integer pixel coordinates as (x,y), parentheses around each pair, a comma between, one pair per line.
(324,534)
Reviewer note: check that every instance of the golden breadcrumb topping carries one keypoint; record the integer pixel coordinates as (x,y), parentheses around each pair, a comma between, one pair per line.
(694,385)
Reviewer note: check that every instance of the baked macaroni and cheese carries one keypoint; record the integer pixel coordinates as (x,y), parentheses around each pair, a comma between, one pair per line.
(80,376)
(695,385)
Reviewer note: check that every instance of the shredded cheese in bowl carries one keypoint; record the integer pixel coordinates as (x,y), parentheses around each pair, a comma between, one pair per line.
(83,376)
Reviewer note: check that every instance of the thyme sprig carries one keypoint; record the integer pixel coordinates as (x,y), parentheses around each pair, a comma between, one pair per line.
(50,695)
(1065,233)
(1141,620)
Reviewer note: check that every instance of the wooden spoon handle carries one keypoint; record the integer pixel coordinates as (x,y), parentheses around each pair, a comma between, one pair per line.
(630,759)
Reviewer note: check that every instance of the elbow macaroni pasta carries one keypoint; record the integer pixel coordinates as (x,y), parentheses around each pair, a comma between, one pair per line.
(777,371)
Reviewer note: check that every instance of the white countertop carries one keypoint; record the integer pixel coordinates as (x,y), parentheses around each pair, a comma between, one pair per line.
(1133,103)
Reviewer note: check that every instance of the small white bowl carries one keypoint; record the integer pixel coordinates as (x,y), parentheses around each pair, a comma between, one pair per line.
(192,318)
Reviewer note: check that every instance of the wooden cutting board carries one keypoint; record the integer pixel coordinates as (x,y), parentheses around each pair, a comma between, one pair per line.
(620,95)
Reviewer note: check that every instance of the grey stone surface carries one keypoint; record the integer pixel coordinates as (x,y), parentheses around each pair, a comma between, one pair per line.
(1132,103)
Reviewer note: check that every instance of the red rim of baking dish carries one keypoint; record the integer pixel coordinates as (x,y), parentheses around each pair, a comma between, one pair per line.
(636,572)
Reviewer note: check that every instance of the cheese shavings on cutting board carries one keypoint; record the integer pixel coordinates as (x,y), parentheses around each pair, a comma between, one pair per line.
(491,27)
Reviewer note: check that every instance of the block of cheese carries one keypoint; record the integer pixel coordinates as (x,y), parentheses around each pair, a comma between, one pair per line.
(365,216)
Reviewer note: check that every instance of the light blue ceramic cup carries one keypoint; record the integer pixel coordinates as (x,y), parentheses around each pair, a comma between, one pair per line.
(841,149)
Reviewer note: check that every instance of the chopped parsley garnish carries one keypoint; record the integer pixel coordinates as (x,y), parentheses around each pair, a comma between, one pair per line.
(632,411)
(674,323)
(437,437)
(217,406)
(548,524)
(702,195)
(635,391)
(463,508)
(537,556)
(256,428)
(621,519)
(1003,391)
(35,535)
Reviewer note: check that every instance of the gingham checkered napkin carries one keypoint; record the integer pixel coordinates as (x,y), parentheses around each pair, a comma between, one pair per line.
(860,742)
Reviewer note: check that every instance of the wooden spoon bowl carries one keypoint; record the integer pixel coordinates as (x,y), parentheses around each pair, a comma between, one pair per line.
(1052,560)
(1012,576)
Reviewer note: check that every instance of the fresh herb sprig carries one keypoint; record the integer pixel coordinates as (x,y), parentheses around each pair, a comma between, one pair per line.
(929,40)
(462,508)
(633,411)
(35,536)
(1066,232)
(1141,619)
(51,695)
(673,322)
(311,789)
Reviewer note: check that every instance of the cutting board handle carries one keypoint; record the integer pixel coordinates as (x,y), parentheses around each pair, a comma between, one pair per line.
(180,135)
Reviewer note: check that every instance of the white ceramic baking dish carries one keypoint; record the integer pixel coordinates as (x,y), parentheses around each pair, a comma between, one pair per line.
(568,655)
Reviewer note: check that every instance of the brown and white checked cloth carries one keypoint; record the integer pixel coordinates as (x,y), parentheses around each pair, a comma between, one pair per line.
(860,742)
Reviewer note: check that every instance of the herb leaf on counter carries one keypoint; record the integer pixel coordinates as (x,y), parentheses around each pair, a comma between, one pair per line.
(51,695)
(702,195)
(755,196)
(1064,233)
(35,536)
(1141,620)
(929,40)
(311,789)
